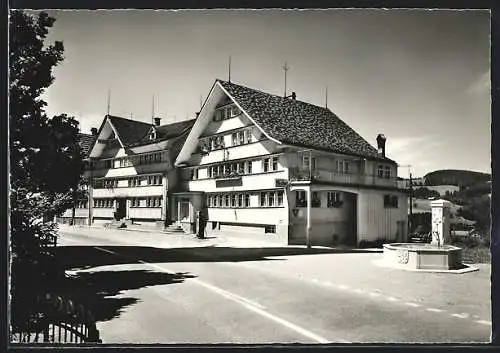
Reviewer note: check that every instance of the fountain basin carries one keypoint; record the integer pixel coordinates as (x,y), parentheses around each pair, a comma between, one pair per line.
(423,256)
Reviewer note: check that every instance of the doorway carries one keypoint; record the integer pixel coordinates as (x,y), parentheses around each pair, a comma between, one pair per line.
(121,208)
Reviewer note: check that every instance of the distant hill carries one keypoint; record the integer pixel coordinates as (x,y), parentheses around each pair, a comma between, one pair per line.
(456,177)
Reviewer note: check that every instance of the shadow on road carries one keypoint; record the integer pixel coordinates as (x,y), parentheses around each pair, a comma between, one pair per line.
(83,257)
(101,291)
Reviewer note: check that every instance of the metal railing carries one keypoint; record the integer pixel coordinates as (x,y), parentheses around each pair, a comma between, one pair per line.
(55,319)
(300,174)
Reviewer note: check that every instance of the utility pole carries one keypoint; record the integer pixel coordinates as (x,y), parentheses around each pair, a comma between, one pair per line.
(410,197)
(285,68)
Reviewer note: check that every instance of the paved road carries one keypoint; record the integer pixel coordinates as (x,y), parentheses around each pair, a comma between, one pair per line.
(179,295)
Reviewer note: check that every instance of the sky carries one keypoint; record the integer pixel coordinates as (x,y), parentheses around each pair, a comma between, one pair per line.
(420,77)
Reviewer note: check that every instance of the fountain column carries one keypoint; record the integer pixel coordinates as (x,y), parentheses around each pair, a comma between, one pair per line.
(440,225)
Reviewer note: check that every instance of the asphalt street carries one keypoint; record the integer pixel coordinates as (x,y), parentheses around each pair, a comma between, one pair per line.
(177,295)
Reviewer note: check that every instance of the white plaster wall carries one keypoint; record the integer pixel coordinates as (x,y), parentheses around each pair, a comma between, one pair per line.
(129,192)
(249,182)
(145,212)
(375,221)
(103,212)
(277,216)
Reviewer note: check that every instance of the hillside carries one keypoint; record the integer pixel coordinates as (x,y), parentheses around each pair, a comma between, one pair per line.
(456,177)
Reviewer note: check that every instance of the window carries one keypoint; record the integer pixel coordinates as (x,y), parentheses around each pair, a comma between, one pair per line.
(247,200)
(233,200)
(249,167)
(300,198)
(241,137)
(305,162)
(265,165)
(387,172)
(134,202)
(241,168)
(275,163)
(234,111)
(248,137)
(226,200)
(280,198)
(315,199)
(270,199)
(380,171)
(333,199)
(390,201)
(270,229)
(195,173)
(342,166)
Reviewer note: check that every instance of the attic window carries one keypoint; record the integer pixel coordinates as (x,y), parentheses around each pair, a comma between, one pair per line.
(152,135)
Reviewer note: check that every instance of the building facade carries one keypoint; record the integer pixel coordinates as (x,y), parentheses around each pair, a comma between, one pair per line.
(130,171)
(285,170)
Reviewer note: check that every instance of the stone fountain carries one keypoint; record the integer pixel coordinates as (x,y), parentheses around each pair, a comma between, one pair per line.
(438,255)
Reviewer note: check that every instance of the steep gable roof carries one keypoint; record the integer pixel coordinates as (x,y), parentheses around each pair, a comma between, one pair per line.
(86,142)
(298,123)
(129,131)
(167,131)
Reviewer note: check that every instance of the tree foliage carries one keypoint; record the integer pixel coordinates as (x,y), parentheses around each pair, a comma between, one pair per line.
(45,157)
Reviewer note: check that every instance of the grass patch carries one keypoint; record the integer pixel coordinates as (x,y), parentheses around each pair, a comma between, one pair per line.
(476,255)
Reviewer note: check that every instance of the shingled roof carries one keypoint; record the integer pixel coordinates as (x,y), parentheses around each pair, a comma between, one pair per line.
(299,123)
(168,131)
(135,133)
(86,142)
(129,131)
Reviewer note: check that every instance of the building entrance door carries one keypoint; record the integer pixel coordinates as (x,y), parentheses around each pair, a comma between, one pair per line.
(184,211)
(121,208)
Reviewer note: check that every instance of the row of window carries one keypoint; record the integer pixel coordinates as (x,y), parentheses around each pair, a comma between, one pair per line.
(239,200)
(150,158)
(237,138)
(142,180)
(237,168)
(226,112)
(82,204)
(146,202)
(333,199)
(132,181)
(228,200)
(271,199)
(104,203)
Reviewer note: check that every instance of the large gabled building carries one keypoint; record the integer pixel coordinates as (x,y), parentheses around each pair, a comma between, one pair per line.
(131,173)
(286,170)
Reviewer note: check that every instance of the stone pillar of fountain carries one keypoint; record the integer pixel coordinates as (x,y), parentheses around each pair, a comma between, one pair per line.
(440,225)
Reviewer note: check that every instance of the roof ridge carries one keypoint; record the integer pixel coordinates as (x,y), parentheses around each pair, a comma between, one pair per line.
(286,99)
(131,120)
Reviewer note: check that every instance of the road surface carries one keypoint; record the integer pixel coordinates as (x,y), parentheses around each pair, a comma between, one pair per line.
(178,295)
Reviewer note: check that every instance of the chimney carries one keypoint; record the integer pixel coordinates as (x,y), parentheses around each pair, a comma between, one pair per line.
(93,131)
(294,95)
(157,121)
(381,144)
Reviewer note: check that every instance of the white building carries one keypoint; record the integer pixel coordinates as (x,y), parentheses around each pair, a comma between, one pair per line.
(287,170)
(131,171)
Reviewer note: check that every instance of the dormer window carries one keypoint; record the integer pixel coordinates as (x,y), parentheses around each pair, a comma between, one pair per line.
(152,134)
